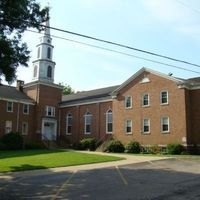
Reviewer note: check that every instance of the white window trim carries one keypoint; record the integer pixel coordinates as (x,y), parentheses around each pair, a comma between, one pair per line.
(126,97)
(128,133)
(52,111)
(161,97)
(161,123)
(7,126)
(108,113)
(146,132)
(67,133)
(27,109)
(23,133)
(87,133)
(7,106)
(143,100)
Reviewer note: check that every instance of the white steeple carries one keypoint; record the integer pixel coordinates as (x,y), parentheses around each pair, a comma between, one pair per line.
(43,66)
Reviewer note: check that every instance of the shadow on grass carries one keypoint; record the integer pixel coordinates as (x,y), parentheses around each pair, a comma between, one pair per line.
(26,167)
(22,153)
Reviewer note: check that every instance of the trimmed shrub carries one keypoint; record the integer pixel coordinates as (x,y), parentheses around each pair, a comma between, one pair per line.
(2,146)
(115,146)
(88,144)
(133,147)
(175,149)
(12,141)
(33,145)
(155,149)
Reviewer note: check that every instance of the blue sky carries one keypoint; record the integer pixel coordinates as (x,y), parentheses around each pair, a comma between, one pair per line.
(168,27)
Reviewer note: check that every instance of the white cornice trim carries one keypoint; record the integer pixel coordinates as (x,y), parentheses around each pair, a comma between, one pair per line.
(17,101)
(145,70)
(86,103)
(42,83)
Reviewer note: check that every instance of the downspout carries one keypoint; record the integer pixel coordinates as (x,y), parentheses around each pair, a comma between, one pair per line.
(58,122)
(18,117)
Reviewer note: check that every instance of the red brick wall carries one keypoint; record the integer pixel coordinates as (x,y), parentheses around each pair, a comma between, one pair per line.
(98,111)
(175,110)
(195,116)
(16,119)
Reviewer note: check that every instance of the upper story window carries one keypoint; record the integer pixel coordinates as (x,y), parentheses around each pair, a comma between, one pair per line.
(49,72)
(49,53)
(8,126)
(146,126)
(128,126)
(26,109)
(109,121)
(88,122)
(50,111)
(164,97)
(165,124)
(69,124)
(145,99)
(9,106)
(128,102)
(35,71)
(38,52)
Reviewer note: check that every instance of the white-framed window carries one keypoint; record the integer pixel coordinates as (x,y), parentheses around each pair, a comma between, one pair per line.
(128,102)
(8,126)
(9,106)
(49,53)
(164,97)
(128,126)
(146,126)
(26,108)
(145,99)
(88,123)
(109,122)
(50,111)
(165,124)
(25,128)
(69,124)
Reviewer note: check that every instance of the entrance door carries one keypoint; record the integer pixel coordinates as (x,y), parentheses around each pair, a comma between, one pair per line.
(49,129)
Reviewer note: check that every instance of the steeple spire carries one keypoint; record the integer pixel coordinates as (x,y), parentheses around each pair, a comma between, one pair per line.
(43,66)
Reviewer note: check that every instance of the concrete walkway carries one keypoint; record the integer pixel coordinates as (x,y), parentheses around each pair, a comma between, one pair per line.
(128,159)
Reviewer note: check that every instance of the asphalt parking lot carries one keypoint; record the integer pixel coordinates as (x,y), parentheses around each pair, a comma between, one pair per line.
(171,179)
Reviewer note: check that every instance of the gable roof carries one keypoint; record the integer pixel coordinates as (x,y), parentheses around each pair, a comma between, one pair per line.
(11,93)
(85,97)
(144,69)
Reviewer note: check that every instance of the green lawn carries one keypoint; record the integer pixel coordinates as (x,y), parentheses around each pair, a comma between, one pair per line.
(41,159)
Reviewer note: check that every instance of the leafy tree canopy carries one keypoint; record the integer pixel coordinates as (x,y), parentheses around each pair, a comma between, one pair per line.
(67,89)
(15,17)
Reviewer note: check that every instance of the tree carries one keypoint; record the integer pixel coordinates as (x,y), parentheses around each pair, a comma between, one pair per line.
(15,18)
(67,89)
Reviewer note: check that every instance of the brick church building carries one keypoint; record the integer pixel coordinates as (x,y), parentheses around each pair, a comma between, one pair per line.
(149,107)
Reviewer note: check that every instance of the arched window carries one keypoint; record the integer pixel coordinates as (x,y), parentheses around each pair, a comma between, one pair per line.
(38,53)
(49,72)
(35,71)
(88,122)
(49,53)
(109,121)
(69,124)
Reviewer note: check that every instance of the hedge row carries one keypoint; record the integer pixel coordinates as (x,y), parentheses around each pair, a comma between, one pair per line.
(115,146)
(14,141)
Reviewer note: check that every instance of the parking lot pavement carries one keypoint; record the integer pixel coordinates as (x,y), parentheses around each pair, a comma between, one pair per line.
(159,180)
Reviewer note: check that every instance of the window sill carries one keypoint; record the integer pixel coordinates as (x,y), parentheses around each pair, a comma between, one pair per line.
(146,133)
(145,106)
(68,134)
(164,104)
(165,132)
(109,133)
(128,108)
(87,133)
(129,133)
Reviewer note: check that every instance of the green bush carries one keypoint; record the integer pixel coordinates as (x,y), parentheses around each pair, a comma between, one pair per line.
(2,146)
(87,144)
(175,149)
(133,147)
(114,146)
(155,149)
(12,141)
(33,145)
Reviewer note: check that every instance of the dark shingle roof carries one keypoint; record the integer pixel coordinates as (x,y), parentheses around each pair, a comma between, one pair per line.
(193,80)
(10,92)
(88,96)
